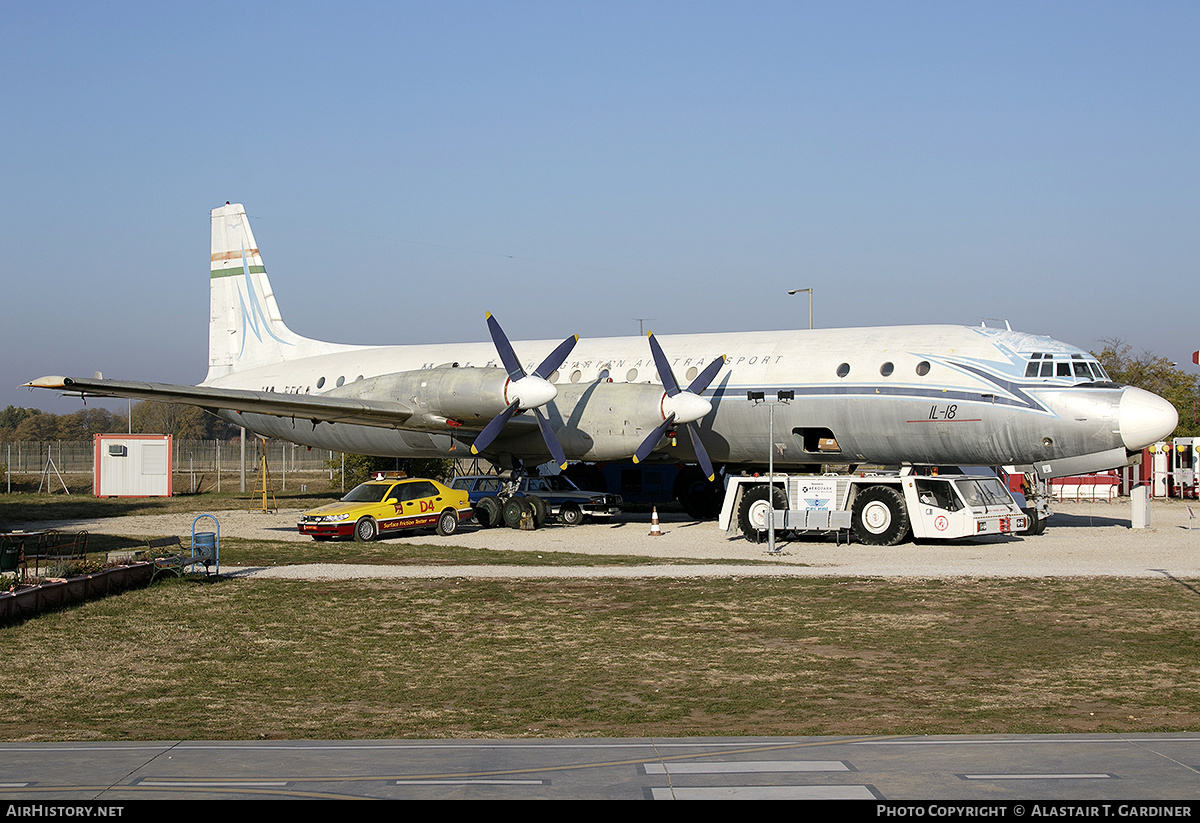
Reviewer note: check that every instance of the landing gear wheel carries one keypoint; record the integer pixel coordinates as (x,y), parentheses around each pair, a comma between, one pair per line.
(880,517)
(365,530)
(755,508)
(1037,524)
(570,515)
(487,511)
(447,523)
(514,508)
(538,506)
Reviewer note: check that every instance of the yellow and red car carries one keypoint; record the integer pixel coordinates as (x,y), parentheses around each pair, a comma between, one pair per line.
(379,507)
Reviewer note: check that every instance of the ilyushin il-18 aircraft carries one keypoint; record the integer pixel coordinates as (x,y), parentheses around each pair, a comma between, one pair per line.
(932,395)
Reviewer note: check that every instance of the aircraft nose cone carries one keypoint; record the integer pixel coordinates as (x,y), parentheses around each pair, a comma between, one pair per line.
(1145,418)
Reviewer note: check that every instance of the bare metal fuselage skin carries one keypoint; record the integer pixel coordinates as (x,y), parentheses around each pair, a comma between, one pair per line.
(952,395)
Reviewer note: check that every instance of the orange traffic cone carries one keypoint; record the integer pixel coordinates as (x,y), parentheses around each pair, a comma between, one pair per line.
(655,531)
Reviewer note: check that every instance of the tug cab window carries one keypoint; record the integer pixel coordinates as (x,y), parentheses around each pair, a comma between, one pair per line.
(937,493)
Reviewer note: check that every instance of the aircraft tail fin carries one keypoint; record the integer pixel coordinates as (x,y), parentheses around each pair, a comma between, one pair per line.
(245,330)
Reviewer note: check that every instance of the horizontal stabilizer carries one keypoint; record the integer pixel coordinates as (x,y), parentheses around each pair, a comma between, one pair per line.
(316,408)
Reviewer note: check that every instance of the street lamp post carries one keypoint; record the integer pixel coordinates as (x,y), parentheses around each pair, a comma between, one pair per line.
(810,302)
(757,397)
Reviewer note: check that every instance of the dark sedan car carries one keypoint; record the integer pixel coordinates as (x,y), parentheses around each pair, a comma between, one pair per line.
(554,496)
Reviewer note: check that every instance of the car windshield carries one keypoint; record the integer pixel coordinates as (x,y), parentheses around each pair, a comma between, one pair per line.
(984,491)
(367,493)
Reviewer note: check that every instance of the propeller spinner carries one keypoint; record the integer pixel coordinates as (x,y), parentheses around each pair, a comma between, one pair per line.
(525,391)
(681,406)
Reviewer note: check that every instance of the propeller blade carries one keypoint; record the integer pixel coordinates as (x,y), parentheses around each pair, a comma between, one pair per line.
(556,450)
(507,356)
(529,391)
(664,367)
(688,406)
(701,452)
(705,377)
(651,442)
(556,357)
(485,437)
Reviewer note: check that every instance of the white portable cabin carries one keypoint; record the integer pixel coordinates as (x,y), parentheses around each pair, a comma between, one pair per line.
(132,465)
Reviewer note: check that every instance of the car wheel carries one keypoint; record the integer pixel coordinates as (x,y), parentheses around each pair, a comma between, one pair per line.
(514,508)
(487,511)
(365,530)
(571,515)
(755,509)
(880,518)
(447,523)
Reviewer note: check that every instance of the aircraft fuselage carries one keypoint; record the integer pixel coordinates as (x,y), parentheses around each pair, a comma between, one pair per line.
(933,395)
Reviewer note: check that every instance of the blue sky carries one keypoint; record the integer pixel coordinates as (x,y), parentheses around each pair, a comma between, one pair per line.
(572,167)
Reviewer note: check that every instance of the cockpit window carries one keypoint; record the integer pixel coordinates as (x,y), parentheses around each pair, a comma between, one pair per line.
(1077,369)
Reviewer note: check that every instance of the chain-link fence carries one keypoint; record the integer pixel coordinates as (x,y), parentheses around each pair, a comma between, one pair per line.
(211,464)
(198,465)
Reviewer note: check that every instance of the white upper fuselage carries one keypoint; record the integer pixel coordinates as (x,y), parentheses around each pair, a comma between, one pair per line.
(755,360)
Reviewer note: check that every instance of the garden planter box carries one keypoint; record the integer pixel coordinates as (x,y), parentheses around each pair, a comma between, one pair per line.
(33,600)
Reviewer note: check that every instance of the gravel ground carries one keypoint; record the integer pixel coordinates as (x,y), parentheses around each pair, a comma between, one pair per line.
(1082,540)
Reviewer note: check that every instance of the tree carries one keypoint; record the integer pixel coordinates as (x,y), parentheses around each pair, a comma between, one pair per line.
(81,425)
(12,416)
(178,420)
(360,467)
(1157,375)
(40,426)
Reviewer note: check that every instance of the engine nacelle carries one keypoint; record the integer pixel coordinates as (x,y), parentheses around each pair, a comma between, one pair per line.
(592,421)
(467,395)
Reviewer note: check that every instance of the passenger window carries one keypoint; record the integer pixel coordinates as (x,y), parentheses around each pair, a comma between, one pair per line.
(843,370)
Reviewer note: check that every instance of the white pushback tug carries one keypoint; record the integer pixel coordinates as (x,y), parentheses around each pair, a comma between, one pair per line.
(879,509)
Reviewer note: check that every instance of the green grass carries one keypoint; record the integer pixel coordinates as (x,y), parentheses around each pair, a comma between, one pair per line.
(245,659)
(79,505)
(242,552)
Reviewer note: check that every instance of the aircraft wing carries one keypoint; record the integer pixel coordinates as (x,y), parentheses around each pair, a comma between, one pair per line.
(315,408)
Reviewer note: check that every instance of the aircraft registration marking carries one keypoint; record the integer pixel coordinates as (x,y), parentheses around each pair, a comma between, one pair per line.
(946,414)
